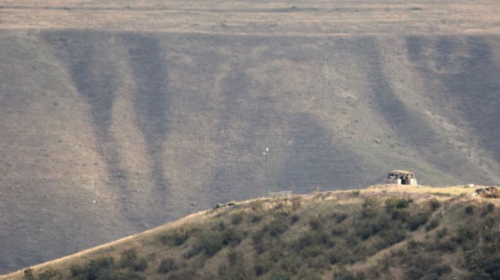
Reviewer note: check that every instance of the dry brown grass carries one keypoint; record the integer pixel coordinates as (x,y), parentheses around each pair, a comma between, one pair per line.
(148,243)
(315,80)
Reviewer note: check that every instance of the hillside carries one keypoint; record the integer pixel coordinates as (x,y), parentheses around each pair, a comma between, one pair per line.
(118,117)
(384,232)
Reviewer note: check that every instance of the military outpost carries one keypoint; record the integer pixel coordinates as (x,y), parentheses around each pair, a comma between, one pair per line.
(401,177)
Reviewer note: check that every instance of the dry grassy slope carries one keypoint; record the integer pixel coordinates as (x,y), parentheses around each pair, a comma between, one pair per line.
(124,131)
(310,237)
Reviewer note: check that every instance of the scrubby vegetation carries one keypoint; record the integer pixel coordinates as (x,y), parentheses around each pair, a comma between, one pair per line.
(347,236)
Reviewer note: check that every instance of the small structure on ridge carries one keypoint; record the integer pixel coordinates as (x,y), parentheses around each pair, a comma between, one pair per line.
(401,177)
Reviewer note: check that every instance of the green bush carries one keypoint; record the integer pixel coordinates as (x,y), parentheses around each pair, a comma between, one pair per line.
(180,236)
(211,242)
(483,266)
(256,217)
(277,227)
(488,209)
(220,226)
(370,207)
(398,209)
(339,230)
(258,211)
(371,227)
(390,238)
(262,266)
(235,269)
(432,225)
(489,223)
(128,258)
(317,223)
(281,211)
(426,265)
(446,246)
(418,220)
(28,273)
(402,215)
(193,251)
(352,241)
(413,245)
(76,269)
(290,264)
(466,236)
(309,239)
(237,218)
(49,274)
(397,203)
(260,247)
(177,237)
(441,269)
(100,268)
(234,258)
(232,236)
(167,265)
(340,217)
(335,256)
(366,230)
(442,232)
(140,265)
(355,193)
(435,204)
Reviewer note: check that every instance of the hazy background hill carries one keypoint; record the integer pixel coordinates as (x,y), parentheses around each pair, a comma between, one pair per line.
(122,117)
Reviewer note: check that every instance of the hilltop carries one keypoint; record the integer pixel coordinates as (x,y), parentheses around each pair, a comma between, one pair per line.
(384,232)
(119,116)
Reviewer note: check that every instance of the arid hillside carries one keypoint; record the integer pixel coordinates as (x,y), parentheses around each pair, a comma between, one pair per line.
(119,117)
(384,232)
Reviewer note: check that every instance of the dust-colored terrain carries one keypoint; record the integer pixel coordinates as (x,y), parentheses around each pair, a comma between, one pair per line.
(383,232)
(120,116)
